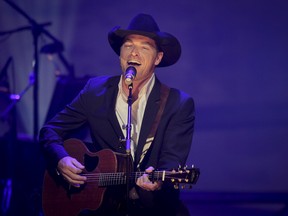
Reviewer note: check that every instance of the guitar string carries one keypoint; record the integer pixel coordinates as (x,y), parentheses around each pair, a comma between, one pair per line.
(119,177)
(138,174)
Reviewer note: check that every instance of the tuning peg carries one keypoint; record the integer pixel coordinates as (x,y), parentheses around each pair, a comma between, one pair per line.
(176,186)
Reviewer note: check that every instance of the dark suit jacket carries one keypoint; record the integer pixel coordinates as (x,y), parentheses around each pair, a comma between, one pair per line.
(95,106)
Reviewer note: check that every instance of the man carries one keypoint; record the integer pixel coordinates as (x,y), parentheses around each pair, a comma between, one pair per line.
(102,104)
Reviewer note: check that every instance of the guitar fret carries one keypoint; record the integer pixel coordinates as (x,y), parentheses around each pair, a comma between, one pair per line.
(106,179)
(119,178)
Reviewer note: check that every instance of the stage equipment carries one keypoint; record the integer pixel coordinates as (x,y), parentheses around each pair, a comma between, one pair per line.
(36,30)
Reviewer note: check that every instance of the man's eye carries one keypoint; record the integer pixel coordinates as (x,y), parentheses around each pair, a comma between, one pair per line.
(145,48)
(127,45)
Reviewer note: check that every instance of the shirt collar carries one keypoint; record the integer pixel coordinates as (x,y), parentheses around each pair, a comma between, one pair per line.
(146,89)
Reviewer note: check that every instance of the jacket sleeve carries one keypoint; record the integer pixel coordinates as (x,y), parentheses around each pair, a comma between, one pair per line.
(55,131)
(178,133)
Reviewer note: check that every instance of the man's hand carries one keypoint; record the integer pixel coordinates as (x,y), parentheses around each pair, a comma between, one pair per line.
(146,184)
(70,169)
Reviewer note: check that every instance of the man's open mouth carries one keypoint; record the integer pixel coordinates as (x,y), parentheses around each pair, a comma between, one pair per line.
(134,63)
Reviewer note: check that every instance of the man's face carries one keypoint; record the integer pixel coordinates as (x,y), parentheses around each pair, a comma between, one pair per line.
(141,52)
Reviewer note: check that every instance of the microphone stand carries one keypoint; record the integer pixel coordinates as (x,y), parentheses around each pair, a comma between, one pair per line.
(37,29)
(128,145)
(23,28)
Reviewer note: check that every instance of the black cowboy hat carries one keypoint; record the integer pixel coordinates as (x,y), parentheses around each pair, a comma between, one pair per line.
(145,25)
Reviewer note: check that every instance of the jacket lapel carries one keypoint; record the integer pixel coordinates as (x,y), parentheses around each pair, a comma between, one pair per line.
(110,102)
(151,109)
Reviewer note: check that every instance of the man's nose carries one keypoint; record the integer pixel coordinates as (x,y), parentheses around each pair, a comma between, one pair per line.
(135,51)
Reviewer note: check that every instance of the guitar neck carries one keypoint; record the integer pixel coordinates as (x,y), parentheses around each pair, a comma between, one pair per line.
(186,176)
(120,178)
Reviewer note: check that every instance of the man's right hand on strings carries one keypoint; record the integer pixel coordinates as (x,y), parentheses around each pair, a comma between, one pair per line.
(70,169)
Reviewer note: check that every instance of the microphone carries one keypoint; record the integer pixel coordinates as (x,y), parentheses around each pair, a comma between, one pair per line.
(130,74)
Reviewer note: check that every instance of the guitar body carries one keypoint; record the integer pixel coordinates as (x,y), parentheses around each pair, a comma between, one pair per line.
(59,199)
(104,192)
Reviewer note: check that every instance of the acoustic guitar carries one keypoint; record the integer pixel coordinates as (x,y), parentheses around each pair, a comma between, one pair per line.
(105,171)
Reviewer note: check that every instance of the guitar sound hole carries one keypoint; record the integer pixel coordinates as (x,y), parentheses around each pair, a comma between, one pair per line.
(90,162)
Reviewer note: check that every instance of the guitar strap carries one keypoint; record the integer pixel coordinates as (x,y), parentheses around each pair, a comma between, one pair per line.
(164,92)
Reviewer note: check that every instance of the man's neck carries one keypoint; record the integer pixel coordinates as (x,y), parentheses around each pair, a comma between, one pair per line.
(137,86)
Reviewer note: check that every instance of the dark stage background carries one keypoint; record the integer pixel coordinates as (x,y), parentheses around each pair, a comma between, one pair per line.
(234,64)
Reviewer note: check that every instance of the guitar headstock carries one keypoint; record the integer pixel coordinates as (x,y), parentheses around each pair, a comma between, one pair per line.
(183,176)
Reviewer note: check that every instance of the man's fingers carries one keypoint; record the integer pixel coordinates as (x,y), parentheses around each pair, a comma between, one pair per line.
(77,164)
(149,186)
(70,169)
(149,169)
(73,178)
(145,183)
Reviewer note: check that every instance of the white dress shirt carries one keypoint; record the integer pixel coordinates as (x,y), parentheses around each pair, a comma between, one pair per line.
(138,108)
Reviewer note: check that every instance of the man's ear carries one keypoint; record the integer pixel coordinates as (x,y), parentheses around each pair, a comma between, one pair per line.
(159,58)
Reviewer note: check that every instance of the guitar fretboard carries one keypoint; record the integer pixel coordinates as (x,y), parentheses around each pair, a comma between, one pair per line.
(119,178)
